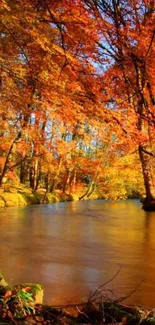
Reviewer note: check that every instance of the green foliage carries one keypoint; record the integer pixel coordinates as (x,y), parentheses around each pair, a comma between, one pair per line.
(17,303)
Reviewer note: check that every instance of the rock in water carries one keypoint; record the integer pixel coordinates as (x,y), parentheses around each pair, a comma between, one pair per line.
(3,283)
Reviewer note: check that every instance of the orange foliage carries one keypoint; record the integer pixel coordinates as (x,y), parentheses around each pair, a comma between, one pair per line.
(77,77)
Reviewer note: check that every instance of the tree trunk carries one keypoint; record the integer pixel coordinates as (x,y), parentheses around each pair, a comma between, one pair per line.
(89,191)
(93,182)
(36,174)
(66,186)
(31,178)
(48,182)
(148,203)
(142,125)
(73,181)
(23,171)
(5,167)
(55,179)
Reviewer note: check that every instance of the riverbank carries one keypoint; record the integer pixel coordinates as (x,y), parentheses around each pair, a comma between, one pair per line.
(22,304)
(20,196)
(101,313)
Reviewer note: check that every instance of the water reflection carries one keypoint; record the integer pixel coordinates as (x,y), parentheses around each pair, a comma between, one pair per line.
(71,248)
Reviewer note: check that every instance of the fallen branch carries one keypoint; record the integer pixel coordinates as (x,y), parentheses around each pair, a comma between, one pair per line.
(17,305)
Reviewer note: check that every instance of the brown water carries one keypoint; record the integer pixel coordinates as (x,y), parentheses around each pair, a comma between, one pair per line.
(72,248)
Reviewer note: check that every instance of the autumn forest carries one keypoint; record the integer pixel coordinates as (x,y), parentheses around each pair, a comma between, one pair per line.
(77,114)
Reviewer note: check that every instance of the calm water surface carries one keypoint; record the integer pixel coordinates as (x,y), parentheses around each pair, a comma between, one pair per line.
(72,248)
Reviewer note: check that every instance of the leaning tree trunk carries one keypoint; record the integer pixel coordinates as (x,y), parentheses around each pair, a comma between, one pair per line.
(89,191)
(6,164)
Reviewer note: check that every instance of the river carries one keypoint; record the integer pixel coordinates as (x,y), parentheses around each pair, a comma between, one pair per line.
(74,247)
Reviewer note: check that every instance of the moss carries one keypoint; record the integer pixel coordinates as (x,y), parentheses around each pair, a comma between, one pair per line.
(66,197)
(1,190)
(20,195)
(41,191)
(25,190)
(75,197)
(42,198)
(32,198)
(13,190)
(93,196)
(2,203)
(57,196)
(11,199)
(18,199)
(22,200)
(53,197)
(50,198)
